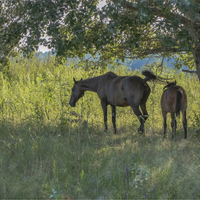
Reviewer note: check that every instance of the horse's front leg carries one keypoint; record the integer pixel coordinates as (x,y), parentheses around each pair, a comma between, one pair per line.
(114,118)
(104,107)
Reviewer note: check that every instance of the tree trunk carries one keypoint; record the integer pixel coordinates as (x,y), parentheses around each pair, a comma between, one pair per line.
(197,60)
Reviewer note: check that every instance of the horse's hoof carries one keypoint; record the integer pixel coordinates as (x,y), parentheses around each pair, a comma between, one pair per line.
(140,131)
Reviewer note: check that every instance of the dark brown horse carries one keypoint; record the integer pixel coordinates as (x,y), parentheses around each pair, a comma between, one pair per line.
(117,91)
(174,100)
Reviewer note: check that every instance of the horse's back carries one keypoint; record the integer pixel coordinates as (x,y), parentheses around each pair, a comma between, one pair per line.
(122,90)
(109,76)
(169,98)
(135,87)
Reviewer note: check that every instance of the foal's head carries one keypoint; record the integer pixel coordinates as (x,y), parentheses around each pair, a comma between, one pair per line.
(77,93)
(169,84)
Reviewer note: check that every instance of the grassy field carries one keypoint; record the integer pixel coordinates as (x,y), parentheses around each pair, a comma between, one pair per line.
(49,149)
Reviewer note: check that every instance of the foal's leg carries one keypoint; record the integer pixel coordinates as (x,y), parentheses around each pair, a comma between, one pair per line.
(104,107)
(184,123)
(173,124)
(137,112)
(114,117)
(164,114)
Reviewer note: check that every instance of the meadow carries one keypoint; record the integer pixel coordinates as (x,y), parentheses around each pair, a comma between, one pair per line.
(50,150)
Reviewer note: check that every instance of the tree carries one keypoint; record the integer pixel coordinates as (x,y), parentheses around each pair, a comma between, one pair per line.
(121,28)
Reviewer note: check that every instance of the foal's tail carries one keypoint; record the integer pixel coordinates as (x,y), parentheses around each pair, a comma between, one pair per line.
(178,102)
(151,76)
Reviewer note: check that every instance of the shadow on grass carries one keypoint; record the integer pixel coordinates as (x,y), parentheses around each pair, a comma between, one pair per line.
(83,161)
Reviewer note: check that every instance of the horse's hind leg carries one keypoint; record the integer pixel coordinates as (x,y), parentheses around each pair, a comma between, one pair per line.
(114,117)
(104,107)
(173,124)
(184,123)
(164,114)
(137,112)
(144,110)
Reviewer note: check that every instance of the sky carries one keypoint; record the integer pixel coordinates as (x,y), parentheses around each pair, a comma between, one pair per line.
(43,49)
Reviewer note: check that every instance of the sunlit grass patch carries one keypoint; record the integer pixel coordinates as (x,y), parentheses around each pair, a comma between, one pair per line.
(46,146)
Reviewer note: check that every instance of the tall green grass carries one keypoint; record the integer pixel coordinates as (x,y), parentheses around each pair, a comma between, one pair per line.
(47,146)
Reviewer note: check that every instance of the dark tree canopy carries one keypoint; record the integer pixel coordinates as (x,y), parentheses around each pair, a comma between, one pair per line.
(120,28)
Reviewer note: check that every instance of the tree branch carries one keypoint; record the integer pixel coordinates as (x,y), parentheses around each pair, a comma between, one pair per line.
(189,71)
(158,12)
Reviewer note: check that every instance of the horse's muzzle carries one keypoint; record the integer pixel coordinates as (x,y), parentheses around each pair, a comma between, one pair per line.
(72,104)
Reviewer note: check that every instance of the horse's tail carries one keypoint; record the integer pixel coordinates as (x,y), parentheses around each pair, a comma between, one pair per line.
(151,76)
(178,102)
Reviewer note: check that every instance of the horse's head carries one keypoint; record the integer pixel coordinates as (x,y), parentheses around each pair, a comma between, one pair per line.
(169,84)
(77,93)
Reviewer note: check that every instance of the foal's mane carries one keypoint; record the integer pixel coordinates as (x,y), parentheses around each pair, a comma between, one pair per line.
(169,84)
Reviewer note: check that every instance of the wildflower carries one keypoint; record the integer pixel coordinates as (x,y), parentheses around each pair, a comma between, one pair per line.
(127,171)
(125,195)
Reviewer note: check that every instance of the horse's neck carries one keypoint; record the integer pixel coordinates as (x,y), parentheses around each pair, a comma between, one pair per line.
(91,84)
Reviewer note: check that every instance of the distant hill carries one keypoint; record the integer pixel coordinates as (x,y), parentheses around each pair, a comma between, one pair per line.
(133,64)
(137,63)
(42,55)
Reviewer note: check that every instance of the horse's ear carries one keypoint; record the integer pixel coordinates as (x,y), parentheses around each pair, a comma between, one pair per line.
(175,82)
(74,80)
(81,79)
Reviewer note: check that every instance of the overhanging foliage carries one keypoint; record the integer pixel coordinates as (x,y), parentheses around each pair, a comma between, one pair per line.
(120,28)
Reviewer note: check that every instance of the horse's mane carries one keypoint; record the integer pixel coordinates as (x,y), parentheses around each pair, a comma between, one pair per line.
(169,84)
